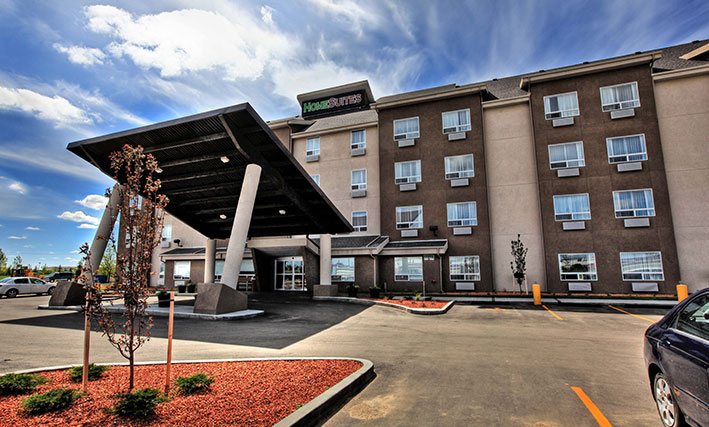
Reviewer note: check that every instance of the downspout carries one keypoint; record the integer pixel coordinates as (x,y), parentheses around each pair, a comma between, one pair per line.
(374,260)
(440,269)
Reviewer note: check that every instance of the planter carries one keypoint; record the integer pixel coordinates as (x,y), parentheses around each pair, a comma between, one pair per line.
(164,300)
(191,289)
(375,292)
(352,292)
(181,289)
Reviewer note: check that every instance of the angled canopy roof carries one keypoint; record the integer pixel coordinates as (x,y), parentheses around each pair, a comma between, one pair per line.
(201,187)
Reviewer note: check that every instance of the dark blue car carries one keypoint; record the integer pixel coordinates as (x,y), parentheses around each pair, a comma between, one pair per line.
(677,357)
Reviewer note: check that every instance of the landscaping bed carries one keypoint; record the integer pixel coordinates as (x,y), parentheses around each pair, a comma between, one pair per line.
(412,303)
(252,393)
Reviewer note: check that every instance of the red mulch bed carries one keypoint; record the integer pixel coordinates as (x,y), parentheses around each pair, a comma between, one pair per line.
(413,304)
(243,394)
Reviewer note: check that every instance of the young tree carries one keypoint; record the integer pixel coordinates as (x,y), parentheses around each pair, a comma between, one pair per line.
(519,261)
(17,262)
(108,264)
(3,260)
(141,213)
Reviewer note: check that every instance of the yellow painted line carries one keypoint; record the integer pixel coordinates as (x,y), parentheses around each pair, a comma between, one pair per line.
(592,408)
(631,314)
(500,308)
(552,313)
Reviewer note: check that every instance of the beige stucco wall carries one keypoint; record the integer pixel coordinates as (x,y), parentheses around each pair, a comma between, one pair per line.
(683,115)
(335,168)
(513,193)
(189,237)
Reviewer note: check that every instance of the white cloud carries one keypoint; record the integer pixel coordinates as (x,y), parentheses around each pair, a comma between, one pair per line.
(17,187)
(31,228)
(55,108)
(61,162)
(267,14)
(93,201)
(28,246)
(290,80)
(350,12)
(79,216)
(17,237)
(81,55)
(90,226)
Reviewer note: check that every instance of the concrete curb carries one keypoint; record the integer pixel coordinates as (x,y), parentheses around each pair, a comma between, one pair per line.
(309,414)
(421,311)
(153,310)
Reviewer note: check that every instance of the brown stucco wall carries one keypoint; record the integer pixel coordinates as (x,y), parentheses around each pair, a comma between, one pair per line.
(434,191)
(604,235)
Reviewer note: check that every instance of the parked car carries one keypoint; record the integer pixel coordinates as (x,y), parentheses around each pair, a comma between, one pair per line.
(677,357)
(13,286)
(59,275)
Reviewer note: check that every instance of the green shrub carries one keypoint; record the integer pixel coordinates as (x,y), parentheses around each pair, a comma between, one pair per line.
(13,384)
(408,297)
(95,372)
(50,401)
(417,297)
(140,403)
(194,384)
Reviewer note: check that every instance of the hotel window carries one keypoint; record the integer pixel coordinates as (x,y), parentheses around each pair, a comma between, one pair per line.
(620,97)
(316,178)
(166,233)
(359,220)
(343,270)
(633,203)
(312,146)
(182,270)
(456,121)
(406,128)
(359,179)
(575,267)
(358,139)
(247,269)
(464,268)
(409,268)
(572,207)
(409,217)
(462,214)
(567,155)
(407,172)
(459,166)
(622,149)
(641,266)
(561,105)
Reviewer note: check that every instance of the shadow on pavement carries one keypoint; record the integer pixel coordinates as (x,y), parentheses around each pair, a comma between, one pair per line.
(604,309)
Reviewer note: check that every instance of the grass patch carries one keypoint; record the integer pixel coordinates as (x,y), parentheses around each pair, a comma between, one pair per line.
(14,384)
(194,384)
(95,372)
(50,401)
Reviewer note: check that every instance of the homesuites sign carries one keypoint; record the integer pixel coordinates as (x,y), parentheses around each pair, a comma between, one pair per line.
(334,104)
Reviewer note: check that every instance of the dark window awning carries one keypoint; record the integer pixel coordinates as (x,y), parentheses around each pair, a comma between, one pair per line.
(201,187)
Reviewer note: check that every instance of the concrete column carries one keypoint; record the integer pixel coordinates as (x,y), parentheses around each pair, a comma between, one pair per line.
(240,229)
(210,255)
(325,259)
(103,232)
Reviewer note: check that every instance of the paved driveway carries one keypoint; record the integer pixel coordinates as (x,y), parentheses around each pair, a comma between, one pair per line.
(476,365)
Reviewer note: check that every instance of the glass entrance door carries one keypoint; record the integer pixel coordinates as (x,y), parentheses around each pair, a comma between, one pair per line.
(289,274)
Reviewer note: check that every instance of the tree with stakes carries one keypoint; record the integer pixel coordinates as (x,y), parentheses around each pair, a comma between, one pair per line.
(141,218)
(519,261)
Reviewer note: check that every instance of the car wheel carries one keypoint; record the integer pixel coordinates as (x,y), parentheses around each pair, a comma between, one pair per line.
(50,291)
(12,293)
(670,414)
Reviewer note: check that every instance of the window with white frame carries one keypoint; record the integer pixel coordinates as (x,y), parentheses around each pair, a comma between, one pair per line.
(359,179)
(316,178)
(572,207)
(456,121)
(312,146)
(408,268)
(247,269)
(343,269)
(358,139)
(578,267)
(459,166)
(566,155)
(464,268)
(359,220)
(622,149)
(406,128)
(407,172)
(181,270)
(166,233)
(633,203)
(620,97)
(409,217)
(641,266)
(462,214)
(561,105)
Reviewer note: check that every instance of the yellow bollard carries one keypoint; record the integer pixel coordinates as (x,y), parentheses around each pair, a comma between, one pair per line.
(681,292)
(537,293)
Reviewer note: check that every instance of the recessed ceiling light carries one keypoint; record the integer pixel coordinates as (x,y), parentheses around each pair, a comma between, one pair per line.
(158,170)
(222,216)
(282,211)
(224,159)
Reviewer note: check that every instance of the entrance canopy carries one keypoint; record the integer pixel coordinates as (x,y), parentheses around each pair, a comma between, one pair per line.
(203,159)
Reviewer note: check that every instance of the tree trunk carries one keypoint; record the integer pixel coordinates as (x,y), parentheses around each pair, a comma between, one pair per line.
(131,360)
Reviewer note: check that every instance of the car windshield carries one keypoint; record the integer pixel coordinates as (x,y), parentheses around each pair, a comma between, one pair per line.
(6,280)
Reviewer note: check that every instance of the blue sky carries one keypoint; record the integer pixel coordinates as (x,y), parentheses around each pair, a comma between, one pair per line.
(75,69)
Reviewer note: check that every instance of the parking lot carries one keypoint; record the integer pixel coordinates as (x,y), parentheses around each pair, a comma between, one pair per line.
(475,365)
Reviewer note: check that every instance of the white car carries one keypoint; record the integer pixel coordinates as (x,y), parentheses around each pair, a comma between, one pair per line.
(13,286)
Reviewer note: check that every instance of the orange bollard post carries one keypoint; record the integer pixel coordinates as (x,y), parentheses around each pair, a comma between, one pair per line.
(537,293)
(681,292)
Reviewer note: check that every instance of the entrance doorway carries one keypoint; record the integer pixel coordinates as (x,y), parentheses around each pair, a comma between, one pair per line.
(289,274)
